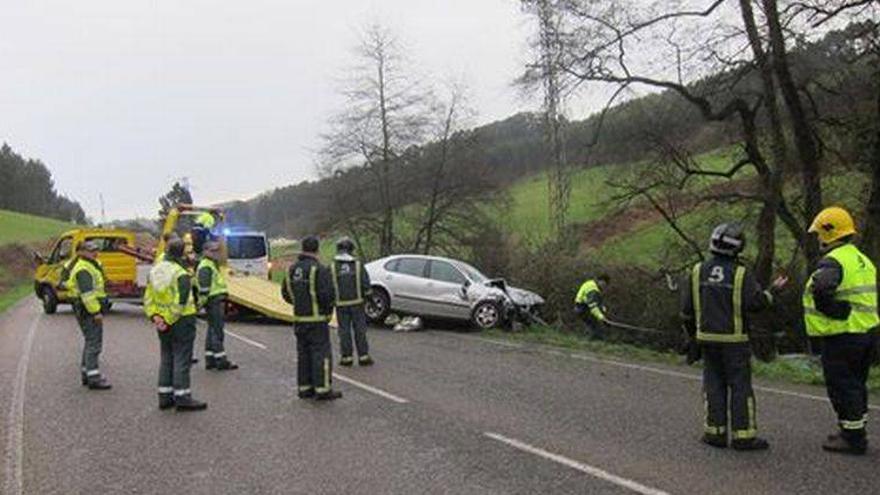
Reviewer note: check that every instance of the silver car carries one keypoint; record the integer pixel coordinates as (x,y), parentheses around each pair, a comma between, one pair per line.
(443,288)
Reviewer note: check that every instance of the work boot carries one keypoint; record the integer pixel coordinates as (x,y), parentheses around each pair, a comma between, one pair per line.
(187,403)
(718,441)
(346,361)
(226,365)
(331,395)
(750,444)
(365,361)
(842,445)
(166,401)
(85,379)
(210,363)
(99,383)
(306,394)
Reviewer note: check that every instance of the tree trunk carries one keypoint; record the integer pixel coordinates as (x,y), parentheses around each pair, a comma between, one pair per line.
(805,141)
(871,230)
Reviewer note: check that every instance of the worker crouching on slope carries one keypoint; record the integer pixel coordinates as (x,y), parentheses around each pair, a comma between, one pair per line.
(589,305)
(309,288)
(212,292)
(840,308)
(715,303)
(169,304)
(86,285)
(352,284)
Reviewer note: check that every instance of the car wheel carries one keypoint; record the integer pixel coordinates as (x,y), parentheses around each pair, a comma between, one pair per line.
(50,300)
(378,306)
(486,315)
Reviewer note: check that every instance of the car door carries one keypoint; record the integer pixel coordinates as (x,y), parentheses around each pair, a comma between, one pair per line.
(60,257)
(407,283)
(444,290)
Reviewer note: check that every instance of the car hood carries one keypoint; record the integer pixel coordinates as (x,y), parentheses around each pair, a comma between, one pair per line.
(518,296)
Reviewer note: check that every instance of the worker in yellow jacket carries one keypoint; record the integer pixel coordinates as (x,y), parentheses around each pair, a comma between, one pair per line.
(589,305)
(86,286)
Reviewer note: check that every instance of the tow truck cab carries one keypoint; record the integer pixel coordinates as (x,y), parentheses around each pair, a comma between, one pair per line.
(120,269)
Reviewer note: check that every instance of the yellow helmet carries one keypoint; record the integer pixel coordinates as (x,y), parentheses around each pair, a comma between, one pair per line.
(206,220)
(832,224)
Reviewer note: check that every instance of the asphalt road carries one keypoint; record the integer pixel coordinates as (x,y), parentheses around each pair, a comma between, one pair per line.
(439,413)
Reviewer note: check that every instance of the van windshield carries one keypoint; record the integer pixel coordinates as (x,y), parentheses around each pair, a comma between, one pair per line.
(246,247)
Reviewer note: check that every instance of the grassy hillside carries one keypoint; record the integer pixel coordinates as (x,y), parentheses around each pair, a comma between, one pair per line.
(24,229)
(529,215)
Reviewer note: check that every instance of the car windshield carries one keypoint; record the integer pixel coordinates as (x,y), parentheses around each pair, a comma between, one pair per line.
(246,247)
(472,273)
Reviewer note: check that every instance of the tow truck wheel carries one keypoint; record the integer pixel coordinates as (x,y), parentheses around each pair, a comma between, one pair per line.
(486,315)
(50,300)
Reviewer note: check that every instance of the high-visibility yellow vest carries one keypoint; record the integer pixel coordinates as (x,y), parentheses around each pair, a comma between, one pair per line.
(586,288)
(91,300)
(858,288)
(162,296)
(218,280)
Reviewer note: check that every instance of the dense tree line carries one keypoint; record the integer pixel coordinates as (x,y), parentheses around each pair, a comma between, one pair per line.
(26,186)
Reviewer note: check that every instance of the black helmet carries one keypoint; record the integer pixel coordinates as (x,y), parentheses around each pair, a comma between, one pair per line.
(345,244)
(310,244)
(727,239)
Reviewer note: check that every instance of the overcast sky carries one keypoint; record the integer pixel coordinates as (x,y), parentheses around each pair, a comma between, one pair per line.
(120,97)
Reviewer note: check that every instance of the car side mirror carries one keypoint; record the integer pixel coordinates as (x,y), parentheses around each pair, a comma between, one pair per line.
(463,291)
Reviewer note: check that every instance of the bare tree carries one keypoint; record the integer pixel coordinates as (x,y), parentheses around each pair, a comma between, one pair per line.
(385,114)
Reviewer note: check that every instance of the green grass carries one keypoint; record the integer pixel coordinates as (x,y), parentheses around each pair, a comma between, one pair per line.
(13,295)
(529,214)
(797,370)
(19,227)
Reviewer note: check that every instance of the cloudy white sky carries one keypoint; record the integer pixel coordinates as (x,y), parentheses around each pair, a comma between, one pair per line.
(120,97)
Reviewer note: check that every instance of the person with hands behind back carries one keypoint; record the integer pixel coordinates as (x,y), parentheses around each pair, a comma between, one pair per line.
(169,304)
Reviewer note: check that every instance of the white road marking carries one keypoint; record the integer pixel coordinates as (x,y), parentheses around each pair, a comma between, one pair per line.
(246,340)
(370,388)
(584,468)
(342,378)
(15,419)
(651,369)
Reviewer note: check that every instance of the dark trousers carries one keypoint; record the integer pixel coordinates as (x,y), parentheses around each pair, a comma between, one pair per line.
(313,356)
(595,328)
(93,342)
(846,361)
(176,346)
(727,386)
(352,320)
(214,349)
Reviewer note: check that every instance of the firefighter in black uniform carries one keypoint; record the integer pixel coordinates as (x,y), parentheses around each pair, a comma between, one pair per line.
(352,285)
(715,302)
(309,288)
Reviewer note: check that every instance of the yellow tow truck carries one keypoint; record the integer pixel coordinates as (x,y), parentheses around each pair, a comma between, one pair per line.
(126,268)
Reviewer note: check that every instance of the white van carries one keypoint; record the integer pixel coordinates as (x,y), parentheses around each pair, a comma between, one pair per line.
(248,253)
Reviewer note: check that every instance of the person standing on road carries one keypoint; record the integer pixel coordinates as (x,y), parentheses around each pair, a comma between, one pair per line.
(840,310)
(715,302)
(211,284)
(170,306)
(589,305)
(86,285)
(351,283)
(309,288)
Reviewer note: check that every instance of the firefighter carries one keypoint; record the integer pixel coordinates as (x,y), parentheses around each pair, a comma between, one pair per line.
(840,310)
(212,292)
(351,283)
(309,288)
(588,304)
(169,304)
(86,285)
(715,304)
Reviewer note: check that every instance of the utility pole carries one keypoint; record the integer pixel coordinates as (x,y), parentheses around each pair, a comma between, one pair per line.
(103,214)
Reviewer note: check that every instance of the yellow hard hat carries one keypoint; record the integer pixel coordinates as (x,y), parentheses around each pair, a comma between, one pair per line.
(832,224)
(206,220)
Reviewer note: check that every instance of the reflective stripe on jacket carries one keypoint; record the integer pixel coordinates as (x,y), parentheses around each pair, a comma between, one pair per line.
(210,280)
